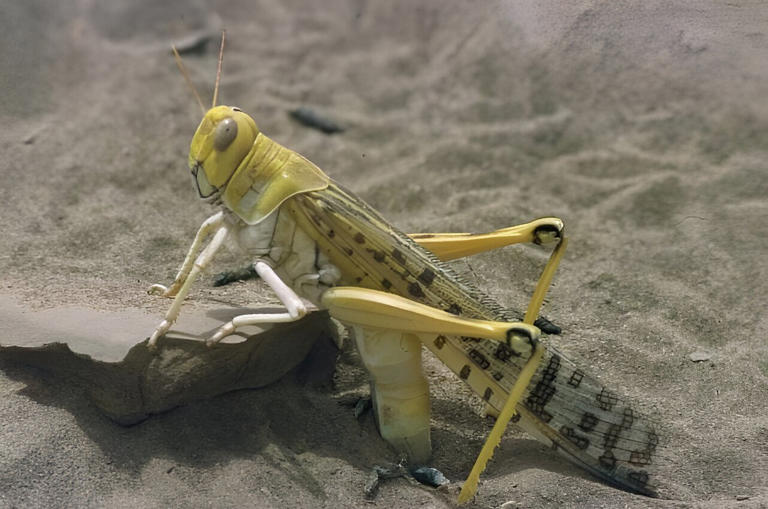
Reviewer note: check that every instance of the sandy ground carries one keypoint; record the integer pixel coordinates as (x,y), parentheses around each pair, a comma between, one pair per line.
(642,125)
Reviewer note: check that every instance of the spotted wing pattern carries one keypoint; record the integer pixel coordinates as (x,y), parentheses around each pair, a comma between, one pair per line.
(564,406)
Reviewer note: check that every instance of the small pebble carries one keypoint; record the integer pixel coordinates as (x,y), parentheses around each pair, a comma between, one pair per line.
(429,476)
(362,406)
(546,326)
(741,498)
(310,118)
(700,356)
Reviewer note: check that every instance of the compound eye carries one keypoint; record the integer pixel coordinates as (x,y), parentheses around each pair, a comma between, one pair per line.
(226,131)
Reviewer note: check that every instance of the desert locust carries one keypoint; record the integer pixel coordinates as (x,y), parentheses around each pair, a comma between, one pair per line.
(318,246)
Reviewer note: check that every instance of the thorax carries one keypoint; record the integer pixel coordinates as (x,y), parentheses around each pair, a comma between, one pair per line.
(293,254)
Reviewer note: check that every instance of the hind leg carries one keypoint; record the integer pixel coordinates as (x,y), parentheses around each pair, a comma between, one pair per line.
(399,390)
(389,331)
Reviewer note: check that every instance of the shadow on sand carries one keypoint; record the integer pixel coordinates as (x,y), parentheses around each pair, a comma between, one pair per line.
(298,409)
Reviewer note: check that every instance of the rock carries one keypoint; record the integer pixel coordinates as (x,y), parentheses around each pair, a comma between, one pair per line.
(429,476)
(700,356)
(105,354)
(310,118)
(362,406)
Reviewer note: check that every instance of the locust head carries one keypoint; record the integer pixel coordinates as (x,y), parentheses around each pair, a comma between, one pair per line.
(234,164)
(220,145)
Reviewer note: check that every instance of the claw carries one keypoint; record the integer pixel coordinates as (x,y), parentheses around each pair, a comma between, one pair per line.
(546,234)
(521,341)
(416,475)
(224,331)
(159,331)
(157,289)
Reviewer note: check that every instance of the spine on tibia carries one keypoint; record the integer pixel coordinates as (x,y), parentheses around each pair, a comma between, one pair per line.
(399,390)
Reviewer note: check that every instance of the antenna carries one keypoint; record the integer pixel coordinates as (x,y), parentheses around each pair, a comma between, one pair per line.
(218,70)
(184,73)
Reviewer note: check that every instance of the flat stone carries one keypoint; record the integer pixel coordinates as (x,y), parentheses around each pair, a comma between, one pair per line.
(106,354)
(700,356)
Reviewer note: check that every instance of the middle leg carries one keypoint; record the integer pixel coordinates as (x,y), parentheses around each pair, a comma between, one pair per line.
(296,307)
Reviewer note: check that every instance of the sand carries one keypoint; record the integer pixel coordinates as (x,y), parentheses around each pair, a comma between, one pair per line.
(642,125)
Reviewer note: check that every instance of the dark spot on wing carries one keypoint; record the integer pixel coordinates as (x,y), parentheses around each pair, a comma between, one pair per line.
(612,437)
(640,477)
(377,255)
(427,276)
(608,460)
(386,283)
(464,374)
(640,458)
(479,359)
(439,342)
(588,422)
(580,441)
(643,456)
(359,238)
(606,399)
(628,418)
(397,255)
(545,389)
(653,440)
(576,377)
(487,394)
(454,309)
(415,290)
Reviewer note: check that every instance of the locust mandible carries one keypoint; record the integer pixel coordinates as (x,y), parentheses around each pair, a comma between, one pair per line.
(318,246)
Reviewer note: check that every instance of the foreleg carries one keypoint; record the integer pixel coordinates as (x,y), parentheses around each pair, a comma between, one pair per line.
(199,264)
(203,232)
